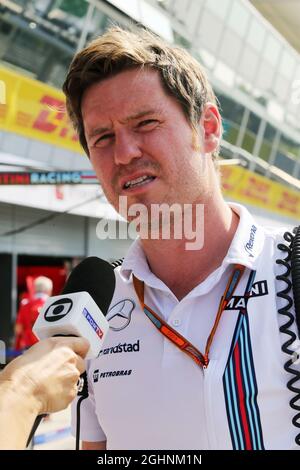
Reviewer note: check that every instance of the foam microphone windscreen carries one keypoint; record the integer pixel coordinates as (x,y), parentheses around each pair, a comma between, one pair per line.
(74,312)
(81,307)
(95,276)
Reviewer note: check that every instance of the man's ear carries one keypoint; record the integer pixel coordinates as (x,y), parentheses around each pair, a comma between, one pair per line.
(211,124)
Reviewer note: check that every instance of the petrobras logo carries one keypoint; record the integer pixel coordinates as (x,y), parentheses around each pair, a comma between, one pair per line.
(249,245)
(96,375)
(92,322)
(113,373)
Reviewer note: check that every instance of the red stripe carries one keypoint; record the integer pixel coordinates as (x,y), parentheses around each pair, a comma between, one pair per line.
(241,397)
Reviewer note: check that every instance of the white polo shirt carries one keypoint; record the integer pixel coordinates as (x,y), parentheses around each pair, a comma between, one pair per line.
(147,394)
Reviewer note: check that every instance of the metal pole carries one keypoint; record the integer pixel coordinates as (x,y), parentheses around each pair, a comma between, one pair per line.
(85,29)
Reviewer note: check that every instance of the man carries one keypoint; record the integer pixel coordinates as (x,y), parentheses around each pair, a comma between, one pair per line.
(193,357)
(29,311)
(42,380)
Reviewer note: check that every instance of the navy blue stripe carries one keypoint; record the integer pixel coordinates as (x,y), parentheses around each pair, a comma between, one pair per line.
(235,385)
(230,393)
(251,372)
(248,383)
(256,412)
(242,337)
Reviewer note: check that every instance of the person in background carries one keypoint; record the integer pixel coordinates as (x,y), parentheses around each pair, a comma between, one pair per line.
(29,311)
(42,380)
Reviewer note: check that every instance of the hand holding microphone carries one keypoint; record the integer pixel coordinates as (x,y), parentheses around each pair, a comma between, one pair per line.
(42,380)
(49,371)
(81,308)
(80,311)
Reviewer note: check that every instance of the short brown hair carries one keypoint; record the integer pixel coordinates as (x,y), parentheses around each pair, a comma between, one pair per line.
(118,50)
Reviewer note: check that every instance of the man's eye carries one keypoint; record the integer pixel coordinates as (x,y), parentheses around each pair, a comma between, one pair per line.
(103,139)
(148,123)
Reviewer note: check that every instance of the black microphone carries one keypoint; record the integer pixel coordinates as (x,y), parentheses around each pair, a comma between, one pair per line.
(79,310)
(96,277)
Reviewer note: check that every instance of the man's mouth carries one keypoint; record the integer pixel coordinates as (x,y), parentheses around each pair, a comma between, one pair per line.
(141,180)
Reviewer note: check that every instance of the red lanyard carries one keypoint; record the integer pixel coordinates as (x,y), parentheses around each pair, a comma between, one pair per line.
(177,338)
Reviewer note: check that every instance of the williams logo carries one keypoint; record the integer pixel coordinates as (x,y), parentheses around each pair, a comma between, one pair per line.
(250,243)
(58,310)
(119,315)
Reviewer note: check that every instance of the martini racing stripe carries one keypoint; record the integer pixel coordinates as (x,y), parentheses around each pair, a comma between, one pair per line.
(240,387)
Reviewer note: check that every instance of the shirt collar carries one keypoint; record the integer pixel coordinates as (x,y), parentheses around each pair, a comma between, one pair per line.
(248,241)
(136,262)
(244,249)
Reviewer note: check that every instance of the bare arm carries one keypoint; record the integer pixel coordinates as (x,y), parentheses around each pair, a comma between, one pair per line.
(99,445)
(18,411)
(43,380)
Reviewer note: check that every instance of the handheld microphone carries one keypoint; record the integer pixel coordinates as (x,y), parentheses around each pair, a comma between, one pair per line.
(79,311)
(81,308)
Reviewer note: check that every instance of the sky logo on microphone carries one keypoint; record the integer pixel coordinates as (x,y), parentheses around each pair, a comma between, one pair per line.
(92,322)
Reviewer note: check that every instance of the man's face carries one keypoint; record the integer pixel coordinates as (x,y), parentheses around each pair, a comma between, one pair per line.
(140,142)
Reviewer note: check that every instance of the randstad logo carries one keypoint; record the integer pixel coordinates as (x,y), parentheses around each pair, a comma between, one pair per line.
(120,348)
(249,245)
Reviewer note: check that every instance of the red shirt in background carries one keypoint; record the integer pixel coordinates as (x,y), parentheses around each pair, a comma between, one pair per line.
(27,314)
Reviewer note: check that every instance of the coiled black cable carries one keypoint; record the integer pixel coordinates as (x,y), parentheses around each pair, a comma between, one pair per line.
(292,264)
(295,263)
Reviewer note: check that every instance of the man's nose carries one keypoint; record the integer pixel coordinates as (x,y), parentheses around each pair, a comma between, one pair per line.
(127,148)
